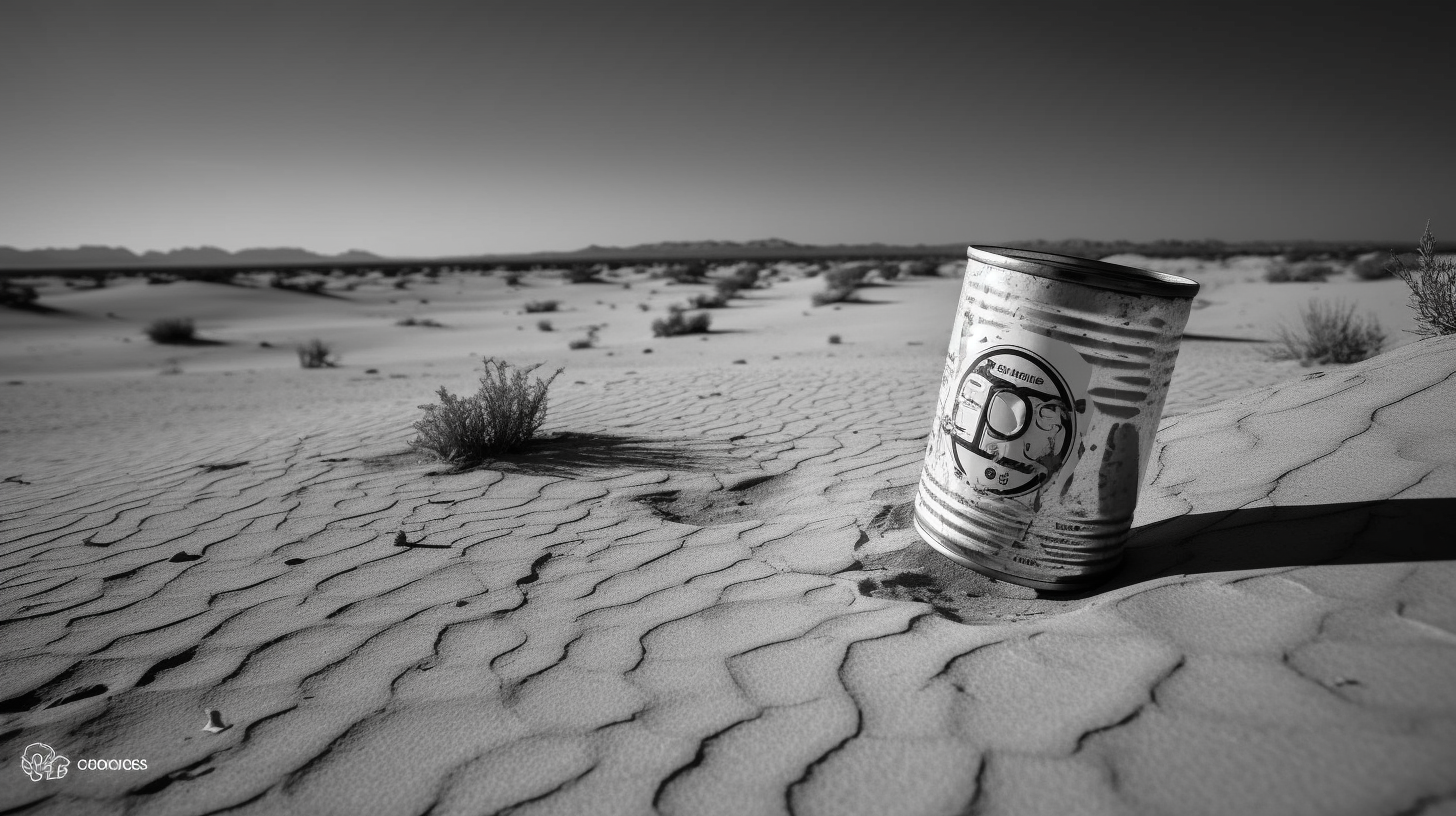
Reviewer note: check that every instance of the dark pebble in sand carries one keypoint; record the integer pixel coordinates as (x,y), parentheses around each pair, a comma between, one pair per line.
(183,557)
(293,562)
(461,603)
(646,351)
(371,371)
(740,362)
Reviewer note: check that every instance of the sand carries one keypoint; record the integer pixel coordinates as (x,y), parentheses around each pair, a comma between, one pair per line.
(702,594)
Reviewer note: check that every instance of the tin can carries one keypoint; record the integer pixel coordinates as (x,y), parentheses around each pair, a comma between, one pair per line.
(1052,392)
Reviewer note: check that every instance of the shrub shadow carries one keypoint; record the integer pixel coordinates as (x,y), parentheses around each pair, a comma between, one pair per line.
(574,453)
(196,341)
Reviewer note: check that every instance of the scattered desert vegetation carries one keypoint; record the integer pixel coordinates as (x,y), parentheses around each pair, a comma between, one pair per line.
(535,306)
(1330,334)
(717,300)
(420,321)
(544,325)
(840,284)
(587,342)
(924,269)
(312,286)
(1375,266)
(684,273)
(174,331)
(1432,282)
(16,295)
(1281,271)
(512,278)
(315,354)
(834,340)
(676,323)
(503,416)
(578,274)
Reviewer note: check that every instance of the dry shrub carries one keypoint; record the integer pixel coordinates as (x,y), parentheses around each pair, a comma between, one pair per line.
(544,325)
(503,416)
(1433,288)
(717,300)
(927,269)
(420,321)
(840,284)
(18,295)
(684,273)
(315,354)
(1280,271)
(1375,266)
(583,275)
(172,331)
(1330,334)
(675,323)
(541,306)
(585,342)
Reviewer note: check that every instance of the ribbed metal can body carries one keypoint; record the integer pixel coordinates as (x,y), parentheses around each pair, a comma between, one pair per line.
(1052,391)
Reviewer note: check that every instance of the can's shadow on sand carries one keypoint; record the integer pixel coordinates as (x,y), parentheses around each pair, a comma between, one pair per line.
(1265,538)
(1376,532)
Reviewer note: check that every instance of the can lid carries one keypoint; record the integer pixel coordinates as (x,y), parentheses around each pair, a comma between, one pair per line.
(1128,279)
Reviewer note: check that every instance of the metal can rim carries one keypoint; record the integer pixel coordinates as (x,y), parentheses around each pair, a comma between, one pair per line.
(1098,274)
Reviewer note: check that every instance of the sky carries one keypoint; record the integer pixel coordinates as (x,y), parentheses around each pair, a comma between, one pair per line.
(423,128)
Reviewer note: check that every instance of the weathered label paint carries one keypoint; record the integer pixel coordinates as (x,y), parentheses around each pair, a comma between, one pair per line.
(1052,391)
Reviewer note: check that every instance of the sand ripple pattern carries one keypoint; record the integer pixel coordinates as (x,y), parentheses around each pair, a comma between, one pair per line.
(703,598)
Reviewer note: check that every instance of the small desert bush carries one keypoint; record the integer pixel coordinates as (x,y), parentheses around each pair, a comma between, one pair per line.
(16,294)
(420,321)
(1330,334)
(840,284)
(1280,271)
(1432,282)
(541,306)
(888,272)
(585,342)
(834,340)
(315,354)
(847,277)
(172,330)
(684,273)
(503,416)
(512,278)
(928,269)
(726,288)
(583,275)
(544,325)
(714,301)
(1375,266)
(675,323)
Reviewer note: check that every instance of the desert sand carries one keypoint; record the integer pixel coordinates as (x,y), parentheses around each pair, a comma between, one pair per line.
(701,594)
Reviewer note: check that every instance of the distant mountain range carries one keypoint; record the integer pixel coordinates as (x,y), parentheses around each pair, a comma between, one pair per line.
(187,256)
(119,258)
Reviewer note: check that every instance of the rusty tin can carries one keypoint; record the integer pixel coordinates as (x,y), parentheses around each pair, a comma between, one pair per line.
(1053,388)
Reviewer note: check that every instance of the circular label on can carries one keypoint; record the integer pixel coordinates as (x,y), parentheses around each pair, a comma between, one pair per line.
(1013,420)
(1015,412)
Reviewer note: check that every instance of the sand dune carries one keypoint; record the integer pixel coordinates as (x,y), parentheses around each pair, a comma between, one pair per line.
(702,594)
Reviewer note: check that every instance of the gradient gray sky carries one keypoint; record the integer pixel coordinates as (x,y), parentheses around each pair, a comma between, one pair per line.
(442,128)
